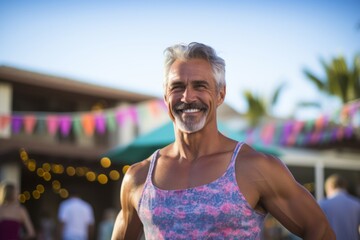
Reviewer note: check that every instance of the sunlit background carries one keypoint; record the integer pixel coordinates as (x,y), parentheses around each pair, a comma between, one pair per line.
(77,143)
(120,43)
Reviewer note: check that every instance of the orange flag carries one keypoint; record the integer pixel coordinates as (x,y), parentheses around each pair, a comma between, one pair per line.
(29,123)
(88,124)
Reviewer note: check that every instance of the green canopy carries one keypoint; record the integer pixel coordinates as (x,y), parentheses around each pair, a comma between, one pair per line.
(144,145)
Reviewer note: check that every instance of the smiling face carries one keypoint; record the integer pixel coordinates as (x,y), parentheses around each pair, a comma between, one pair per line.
(191,94)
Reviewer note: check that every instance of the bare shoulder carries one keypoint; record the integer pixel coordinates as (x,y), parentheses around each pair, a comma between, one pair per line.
(261,172)
(133,183)
(136,173)
(250,159)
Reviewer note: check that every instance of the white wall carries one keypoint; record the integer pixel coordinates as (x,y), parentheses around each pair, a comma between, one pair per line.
(5,106)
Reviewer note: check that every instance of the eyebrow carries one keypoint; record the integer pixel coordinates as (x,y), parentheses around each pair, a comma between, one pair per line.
(196,82)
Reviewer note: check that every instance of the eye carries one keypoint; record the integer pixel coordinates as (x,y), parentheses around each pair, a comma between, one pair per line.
(200,86)
(176,87)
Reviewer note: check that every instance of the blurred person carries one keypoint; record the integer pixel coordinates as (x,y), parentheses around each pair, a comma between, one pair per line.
(13,216)
(47,226)
(341,208)
(107,224)
(76,218)
(205,185)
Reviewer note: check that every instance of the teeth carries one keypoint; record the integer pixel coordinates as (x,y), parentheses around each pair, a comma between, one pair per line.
(191,110)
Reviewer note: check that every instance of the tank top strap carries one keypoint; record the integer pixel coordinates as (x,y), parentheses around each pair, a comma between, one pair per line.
(156,153)
(152,164)
(236,151)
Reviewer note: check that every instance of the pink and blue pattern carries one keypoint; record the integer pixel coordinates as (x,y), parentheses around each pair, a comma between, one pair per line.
(217,210)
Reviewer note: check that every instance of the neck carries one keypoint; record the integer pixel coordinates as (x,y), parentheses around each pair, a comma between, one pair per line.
(191,146)
(335,192)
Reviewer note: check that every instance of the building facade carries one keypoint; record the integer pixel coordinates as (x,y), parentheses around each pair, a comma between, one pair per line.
(53,131)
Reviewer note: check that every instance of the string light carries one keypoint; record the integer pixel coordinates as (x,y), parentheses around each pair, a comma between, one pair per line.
(22,198)
(80,171)
(40,188)
(91,176)
(36,194)
(310,186)
(56,185)
(102,178)
(47,176)
(125,168)
(57,168)
(40,172)
(70,171)
(114,175)
(46,169)
(23,155)
(64,193)
(105,162)
(27,195)
(31,165)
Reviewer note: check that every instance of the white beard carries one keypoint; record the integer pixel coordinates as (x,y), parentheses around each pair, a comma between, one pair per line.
(190,125)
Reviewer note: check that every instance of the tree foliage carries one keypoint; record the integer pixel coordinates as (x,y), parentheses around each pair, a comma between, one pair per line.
(340,79)
(259,107)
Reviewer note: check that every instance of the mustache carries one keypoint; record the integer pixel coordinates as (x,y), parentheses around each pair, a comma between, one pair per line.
(183,106)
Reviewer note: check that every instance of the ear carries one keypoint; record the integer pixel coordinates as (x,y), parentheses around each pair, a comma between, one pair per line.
(221,96)
(165,99)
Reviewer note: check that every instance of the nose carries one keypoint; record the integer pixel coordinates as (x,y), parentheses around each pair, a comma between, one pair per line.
(189,95)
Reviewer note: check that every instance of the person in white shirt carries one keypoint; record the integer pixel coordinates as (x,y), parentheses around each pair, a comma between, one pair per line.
(76,218)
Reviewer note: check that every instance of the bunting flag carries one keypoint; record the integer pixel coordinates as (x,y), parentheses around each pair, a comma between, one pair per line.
(52,123)
(81,123)
(88,124)
(29,123)
(65,125)
(344,124)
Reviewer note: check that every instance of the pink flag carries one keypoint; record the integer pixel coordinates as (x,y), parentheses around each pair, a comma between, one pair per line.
(132,112)
(120,117)
(52,124)
(100,123)
(65,125)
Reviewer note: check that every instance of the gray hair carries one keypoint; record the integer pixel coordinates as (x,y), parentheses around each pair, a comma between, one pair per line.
(195,50)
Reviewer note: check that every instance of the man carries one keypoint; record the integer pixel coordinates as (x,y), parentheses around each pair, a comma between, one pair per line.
(76,218)
(205,185)
(341,209)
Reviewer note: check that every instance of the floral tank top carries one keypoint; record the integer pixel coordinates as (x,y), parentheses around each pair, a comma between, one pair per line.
(216,210)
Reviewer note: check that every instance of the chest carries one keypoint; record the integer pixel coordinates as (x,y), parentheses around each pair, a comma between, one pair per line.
(217,207)
(170,175)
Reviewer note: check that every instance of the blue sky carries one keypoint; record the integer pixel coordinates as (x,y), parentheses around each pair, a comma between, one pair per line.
(120,43)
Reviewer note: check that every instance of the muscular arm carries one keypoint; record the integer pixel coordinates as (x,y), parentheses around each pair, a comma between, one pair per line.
(128,224)
(291,204)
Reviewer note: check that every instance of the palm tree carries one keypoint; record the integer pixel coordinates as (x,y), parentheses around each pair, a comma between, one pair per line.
(340,80)
(258,107)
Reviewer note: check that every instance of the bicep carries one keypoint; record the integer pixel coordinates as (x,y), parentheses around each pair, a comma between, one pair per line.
(127,224)
(290,203)
(126,227)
